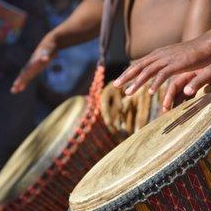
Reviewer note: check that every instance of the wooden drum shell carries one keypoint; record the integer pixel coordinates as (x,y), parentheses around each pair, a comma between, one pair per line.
(163,167)
(192,191)
(50,190)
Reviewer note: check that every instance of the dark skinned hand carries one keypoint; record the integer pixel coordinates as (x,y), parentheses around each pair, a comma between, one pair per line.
(189,83)
(166,62)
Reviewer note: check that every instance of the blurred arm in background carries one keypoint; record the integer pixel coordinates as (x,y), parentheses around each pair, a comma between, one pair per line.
(81,26)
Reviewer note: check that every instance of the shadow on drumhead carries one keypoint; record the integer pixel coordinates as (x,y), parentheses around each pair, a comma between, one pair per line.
(193,109)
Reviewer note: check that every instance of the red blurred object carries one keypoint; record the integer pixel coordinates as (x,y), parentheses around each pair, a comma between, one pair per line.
(12,20)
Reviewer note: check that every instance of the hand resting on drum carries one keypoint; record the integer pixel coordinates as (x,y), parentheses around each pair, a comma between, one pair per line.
(168,61)
(188,82)
(78,28)
(191,56)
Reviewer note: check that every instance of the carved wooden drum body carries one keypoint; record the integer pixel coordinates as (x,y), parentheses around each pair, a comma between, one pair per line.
(124,115)
(166,166)
(55,156)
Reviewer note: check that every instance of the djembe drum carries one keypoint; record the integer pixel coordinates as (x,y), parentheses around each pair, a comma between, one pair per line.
(166,166)
(54,157)
(57,154)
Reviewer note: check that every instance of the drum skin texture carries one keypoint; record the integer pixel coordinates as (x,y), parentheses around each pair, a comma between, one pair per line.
(165,166)
(54,157)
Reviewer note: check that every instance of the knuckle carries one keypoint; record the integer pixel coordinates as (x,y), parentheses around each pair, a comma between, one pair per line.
(137,82)
(170,60)
(150,69)
(162,62)
(136,85)
(138,62)
(173,88)
(124,76)
(161,74)
(171,69)
(145,71)
(142,63)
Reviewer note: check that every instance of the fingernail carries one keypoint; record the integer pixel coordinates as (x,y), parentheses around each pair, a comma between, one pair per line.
(16,82)
(129,90)
(116,83)
(13,90)
(151,91)
(165,109)
(188,90)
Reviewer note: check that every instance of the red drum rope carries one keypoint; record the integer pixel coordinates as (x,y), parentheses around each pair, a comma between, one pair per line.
(91,141)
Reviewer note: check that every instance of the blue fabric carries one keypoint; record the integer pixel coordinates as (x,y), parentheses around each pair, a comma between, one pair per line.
(64,72)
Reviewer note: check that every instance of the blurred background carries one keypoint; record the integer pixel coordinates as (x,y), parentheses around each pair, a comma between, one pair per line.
(23,23)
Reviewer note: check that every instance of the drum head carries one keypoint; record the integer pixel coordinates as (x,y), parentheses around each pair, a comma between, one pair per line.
(138,166)
(36,153)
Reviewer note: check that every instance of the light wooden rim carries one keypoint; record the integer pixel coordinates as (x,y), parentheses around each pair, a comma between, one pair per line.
(22,170)
(84,200)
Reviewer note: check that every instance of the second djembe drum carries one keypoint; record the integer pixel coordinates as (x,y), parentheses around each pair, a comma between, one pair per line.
(166,166)
(53,158)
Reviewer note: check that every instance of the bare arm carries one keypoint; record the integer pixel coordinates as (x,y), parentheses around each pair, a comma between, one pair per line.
(197,23)
(174,59)
(81,26)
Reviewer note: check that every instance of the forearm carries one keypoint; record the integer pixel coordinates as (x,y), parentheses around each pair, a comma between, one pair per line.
(187,57)
(81,26)
(197,30)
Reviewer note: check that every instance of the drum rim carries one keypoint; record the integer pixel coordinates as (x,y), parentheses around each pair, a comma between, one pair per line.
(166,176)
(49,168)
(90,117)
(154,185)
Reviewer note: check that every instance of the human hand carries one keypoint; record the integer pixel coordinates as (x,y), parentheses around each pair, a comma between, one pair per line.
(41,57)
(163,63)
(189,83)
